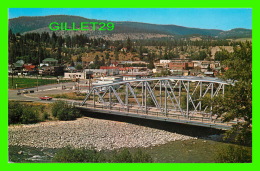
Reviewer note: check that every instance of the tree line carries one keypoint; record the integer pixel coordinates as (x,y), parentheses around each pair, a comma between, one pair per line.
(35,47)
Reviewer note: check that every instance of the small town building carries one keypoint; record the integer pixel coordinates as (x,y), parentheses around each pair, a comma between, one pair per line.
(181,65)
(76,75)
(136,75)
(177,72)
(209,74)
(102,72)
(164,61)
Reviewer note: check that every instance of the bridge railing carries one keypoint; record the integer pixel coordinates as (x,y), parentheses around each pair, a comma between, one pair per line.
(204,118)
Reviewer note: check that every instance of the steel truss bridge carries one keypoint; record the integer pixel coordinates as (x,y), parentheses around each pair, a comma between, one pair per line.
(172,99)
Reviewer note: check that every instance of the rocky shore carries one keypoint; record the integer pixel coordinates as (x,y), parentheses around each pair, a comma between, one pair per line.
(89,132)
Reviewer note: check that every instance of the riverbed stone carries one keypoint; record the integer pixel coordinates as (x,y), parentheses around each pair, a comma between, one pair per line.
(90,133)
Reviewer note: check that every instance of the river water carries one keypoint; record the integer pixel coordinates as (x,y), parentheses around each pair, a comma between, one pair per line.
(204,149)
(188,151)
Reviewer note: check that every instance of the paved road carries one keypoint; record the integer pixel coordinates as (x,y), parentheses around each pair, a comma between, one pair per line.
(42,91)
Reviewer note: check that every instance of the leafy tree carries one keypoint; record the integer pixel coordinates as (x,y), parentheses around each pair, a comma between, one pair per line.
(108,63)
(221,55)
(79,67)
(150,65)
(71,61)
(102,62)
(237,103)
(107,56)
(29,116)
(64,111)
(79,58)
(21,113)
(96,60)
(15,111)
(201,55)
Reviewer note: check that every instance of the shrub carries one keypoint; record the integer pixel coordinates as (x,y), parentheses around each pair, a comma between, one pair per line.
(22,114)
(45,116)
(29,116)
(64,111)
(234,154)
(124,156)
(150,102)
(15,111)
(141,157)
(82,155)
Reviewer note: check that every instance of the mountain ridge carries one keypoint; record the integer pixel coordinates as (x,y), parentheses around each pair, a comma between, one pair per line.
(26,24)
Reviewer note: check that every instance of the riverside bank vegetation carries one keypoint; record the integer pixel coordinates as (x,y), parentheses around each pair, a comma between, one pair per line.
(30,113)
(83,155)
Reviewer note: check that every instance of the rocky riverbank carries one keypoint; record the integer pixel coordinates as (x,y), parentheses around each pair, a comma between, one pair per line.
(89,132)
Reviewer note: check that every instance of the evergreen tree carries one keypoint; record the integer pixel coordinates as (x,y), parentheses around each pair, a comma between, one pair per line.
(128,44)
(107,55)
(150,65)
(116,56)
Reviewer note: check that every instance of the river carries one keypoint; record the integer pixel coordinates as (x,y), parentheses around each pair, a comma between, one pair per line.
(203,149)
(188,151)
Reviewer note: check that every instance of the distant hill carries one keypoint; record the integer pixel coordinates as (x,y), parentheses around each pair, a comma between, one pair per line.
(236,33)
(122,29)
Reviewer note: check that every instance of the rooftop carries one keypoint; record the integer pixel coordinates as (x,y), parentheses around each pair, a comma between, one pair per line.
(49,60)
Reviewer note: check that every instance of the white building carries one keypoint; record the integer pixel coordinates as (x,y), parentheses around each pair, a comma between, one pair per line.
(79,75)
(164,61)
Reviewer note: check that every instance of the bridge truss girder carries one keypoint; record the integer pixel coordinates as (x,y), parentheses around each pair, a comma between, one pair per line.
(164,95)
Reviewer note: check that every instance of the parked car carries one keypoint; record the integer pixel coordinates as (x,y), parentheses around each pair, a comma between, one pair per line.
(45,98)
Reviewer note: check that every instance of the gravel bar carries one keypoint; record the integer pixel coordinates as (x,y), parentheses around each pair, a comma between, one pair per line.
(90,133)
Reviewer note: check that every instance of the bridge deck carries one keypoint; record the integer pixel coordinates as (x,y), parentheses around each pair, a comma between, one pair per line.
(197,119)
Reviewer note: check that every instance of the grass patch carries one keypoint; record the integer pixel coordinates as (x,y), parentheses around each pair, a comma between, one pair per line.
(31,82)
(72,95)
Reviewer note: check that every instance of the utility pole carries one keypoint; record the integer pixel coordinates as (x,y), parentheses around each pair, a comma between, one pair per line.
(78,84)
(12,75)
(88,78)
(37,81)
(37,71)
